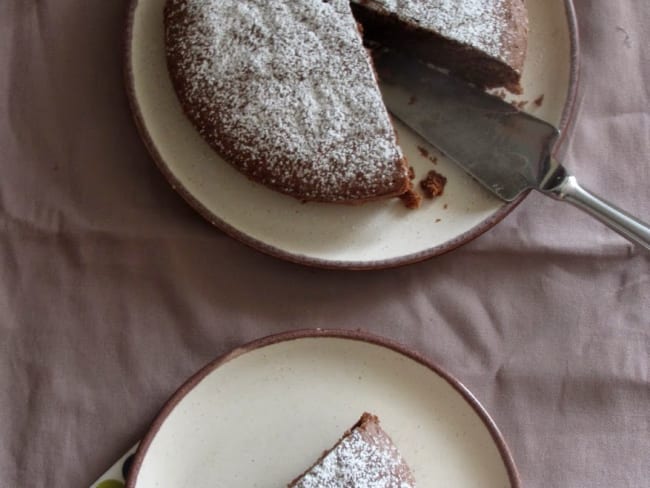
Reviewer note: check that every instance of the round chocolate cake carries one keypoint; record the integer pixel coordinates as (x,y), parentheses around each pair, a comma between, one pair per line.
(285,91)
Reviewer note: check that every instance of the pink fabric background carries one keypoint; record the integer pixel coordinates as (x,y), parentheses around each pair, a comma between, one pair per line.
(113,291)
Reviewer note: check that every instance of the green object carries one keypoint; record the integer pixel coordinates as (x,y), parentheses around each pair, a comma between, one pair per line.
(111,484)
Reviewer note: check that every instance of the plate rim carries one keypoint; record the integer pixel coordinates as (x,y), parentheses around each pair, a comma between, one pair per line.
(343,334)
(568,113)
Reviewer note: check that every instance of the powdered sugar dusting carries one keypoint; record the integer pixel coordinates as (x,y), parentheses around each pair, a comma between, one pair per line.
(285,92)
(360,461)
(477,23)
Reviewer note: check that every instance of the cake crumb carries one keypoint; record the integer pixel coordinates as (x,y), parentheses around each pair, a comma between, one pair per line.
(438,220)
(412,100)
(423,151)
(445,206)
(433,184)
(539,100)
(411,173)
(519,104)
(411,199)
(433,159)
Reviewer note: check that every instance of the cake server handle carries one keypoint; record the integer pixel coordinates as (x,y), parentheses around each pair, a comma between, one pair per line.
(565,187)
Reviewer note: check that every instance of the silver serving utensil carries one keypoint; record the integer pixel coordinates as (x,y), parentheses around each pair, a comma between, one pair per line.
(506,150)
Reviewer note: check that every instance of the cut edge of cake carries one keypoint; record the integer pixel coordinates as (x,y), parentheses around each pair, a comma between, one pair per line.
(484,44)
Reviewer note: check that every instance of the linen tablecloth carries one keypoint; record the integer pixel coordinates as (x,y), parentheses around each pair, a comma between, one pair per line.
(113,291)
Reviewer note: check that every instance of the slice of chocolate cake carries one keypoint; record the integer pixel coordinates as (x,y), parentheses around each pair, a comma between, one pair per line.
(365,457)
(285,92)
(482,41)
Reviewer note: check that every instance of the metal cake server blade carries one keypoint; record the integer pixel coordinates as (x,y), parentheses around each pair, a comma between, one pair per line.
(506,150)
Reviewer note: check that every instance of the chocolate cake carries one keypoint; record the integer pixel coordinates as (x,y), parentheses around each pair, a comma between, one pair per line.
(365,457)
(482,41)
(285,91)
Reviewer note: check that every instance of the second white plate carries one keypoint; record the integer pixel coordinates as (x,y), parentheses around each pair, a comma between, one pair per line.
(263,414)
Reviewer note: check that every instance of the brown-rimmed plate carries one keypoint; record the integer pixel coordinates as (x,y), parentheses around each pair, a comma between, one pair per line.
(375,235)
(262,414)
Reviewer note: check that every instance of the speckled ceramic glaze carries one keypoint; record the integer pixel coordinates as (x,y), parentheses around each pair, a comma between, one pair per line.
(374,235)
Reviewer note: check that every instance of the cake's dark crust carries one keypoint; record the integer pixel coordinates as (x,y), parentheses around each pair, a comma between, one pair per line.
(255,165)
(461,60)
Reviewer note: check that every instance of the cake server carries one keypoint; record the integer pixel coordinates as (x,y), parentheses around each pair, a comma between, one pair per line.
(504,149)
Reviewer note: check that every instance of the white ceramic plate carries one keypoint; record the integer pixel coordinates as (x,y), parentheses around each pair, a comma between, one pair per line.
(264,413)
(375,235)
